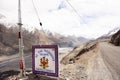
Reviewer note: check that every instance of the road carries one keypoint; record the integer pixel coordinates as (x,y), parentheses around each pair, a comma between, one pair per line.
(111,58)
(106,66)
(13,64)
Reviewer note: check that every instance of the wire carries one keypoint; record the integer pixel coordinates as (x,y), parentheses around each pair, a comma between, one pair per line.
(37,15)
(75,11)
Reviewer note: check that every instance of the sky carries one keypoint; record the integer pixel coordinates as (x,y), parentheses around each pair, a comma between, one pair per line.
(94,18)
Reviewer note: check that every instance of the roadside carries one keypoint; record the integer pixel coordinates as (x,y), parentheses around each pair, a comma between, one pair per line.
(10,65)
(100,63)
(96,69)
(111,57)
(4,58)
(105,64)
(75,68)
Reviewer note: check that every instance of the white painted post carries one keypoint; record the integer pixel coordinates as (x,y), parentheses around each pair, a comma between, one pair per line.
(21,53)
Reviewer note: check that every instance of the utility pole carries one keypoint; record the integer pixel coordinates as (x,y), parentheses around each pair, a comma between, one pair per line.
(21,53)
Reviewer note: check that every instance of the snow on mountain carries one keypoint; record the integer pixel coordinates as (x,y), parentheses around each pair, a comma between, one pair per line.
(2,16)
(2,19)
(110,33)
(113,31)
(48,36)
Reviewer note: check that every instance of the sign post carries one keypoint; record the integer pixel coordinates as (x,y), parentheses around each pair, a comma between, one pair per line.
(20,36)
(45,60)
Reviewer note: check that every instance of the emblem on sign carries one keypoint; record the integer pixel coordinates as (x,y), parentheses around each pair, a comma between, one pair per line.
(44,63)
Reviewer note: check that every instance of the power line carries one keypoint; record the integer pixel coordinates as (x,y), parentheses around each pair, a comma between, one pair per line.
(75,11)
(37,15)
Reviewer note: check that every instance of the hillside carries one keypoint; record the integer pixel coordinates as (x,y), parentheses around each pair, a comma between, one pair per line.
(2,16)
(94,60)
(110,33)
(9,39)
(115,39)
(67,41)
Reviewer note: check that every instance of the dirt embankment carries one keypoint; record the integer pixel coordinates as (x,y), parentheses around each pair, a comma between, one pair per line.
(115,39)
(74,65)
(78,51)
(96,68)
(92,61)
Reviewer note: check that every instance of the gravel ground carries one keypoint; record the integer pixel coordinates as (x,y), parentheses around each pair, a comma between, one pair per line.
(73,72)
(14,75)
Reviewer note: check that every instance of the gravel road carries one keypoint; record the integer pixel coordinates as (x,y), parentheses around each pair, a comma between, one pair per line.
(111,57)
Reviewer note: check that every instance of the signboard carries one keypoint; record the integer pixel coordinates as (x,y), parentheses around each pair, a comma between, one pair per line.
(45,60)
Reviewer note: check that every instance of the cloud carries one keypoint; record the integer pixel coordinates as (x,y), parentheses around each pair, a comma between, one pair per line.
(61,5)
(96,18)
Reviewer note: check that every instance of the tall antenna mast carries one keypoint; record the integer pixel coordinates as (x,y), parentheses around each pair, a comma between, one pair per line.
(21,53)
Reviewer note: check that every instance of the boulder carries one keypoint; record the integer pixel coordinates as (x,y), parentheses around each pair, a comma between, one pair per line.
(115,39)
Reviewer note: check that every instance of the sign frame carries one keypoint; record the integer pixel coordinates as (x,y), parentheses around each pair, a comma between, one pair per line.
(56,74)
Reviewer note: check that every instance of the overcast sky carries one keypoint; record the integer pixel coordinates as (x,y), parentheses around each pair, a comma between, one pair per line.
(97,17)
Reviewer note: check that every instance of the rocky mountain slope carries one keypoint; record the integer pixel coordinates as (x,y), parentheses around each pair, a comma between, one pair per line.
(2,16)
(110,33)
(87,61)
(9,39)
(67,41)
(115,39)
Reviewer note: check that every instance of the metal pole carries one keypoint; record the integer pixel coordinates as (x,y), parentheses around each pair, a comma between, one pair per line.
(22,62)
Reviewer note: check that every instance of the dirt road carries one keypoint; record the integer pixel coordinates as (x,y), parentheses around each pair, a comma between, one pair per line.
(105,65)
(111,57)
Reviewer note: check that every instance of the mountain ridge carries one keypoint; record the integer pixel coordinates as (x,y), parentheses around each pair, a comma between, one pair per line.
(9,39)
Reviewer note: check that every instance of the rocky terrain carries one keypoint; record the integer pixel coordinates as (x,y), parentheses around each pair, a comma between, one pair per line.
(9,39)
(15,75)
(74,65)
(115,39)
(95,60)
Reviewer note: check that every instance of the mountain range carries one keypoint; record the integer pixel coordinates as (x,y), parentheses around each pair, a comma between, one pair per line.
(9,39)
(110,33)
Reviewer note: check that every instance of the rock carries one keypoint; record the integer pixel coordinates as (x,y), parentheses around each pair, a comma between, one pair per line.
(8,74)
(115,39)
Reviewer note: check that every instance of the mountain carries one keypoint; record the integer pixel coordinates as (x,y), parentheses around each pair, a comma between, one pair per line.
(115,30)
(115,39)
(93,56)
(67,41)
(110,33)
(9,39)
(2,16)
